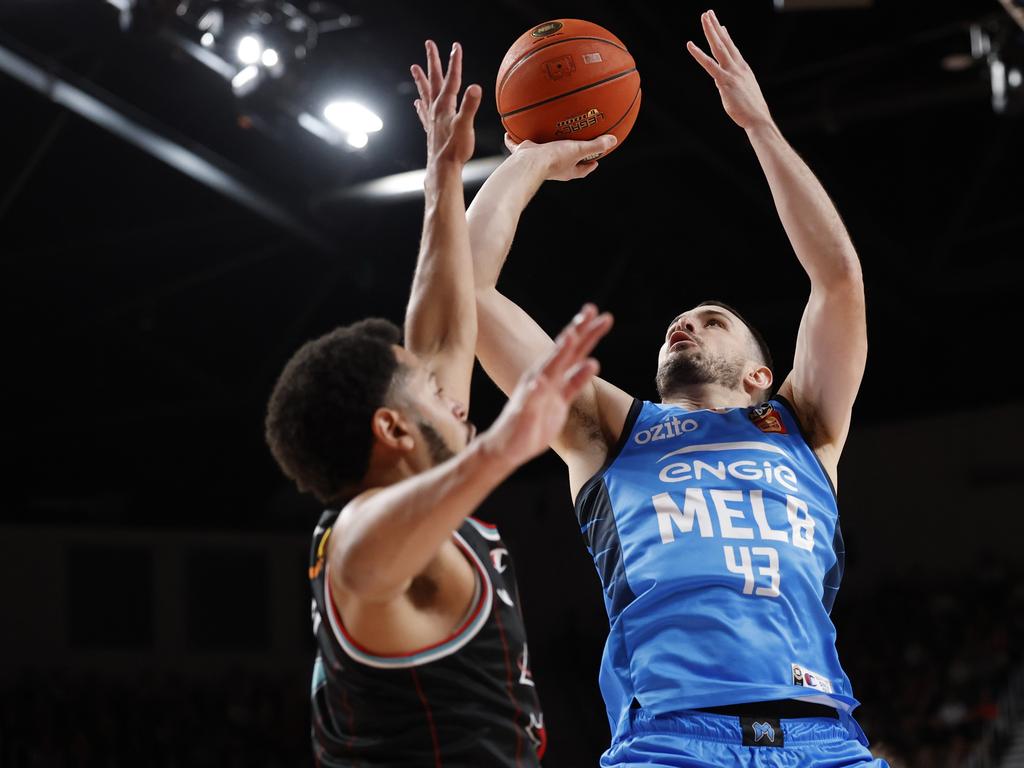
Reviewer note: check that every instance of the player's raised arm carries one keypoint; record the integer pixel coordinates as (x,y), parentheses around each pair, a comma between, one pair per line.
(513,341)
(831,347)
(440,322)
(509,341)
(389,535)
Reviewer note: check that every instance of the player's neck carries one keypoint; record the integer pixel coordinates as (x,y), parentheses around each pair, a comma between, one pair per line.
(698,397)
(385,474)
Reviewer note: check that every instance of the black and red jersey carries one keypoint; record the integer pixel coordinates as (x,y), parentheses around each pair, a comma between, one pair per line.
(468,700)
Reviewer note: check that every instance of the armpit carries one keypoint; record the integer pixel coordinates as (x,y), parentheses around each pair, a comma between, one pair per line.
(585,425)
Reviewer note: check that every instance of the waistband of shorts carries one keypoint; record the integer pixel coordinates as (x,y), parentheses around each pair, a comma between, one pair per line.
(783,709)
(727,728)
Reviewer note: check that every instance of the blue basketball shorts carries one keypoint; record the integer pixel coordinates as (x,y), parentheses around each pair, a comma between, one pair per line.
(704,740)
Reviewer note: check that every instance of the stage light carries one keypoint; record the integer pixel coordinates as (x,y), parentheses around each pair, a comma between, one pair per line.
(269,58)
(410,183)
(245,80)
(357,140)
(206,40)
(125,9)
(319,128)
(212,21)
(249,49)
(350,117)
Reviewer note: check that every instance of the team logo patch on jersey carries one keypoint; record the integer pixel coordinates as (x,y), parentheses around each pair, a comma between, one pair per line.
(808,679)
(761,732)
(767,419)
(318,566)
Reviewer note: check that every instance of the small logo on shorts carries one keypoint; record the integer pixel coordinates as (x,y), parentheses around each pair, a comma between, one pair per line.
(761,732)
(764,731)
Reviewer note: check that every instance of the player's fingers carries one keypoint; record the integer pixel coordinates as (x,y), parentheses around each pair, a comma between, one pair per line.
(593,149)
(733,49)
(564,353)
(470,103)
(584,169)
(434,68)
(580,375)
(710,65)
(453,78)
(421,112)
(591,333)
(587,335)
(422,84)
(718,47)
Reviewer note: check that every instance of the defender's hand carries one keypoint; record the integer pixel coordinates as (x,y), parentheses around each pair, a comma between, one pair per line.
(741,95)
(565,159)
(536,413)
(449,132)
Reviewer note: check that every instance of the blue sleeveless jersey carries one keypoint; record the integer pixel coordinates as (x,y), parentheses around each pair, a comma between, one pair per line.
(716,537)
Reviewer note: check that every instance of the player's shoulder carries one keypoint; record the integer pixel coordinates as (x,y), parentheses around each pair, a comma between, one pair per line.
(803,413)
(811,429)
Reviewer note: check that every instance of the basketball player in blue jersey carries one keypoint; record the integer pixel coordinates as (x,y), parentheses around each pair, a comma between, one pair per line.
(711,516)
(422,656)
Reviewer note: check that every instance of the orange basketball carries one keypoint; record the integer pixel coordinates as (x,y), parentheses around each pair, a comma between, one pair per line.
(568,79)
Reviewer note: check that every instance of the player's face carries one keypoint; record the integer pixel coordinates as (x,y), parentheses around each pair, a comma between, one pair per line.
(704,345)
(439,420)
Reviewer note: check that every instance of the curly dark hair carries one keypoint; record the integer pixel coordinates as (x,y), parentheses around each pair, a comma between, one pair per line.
(319,414)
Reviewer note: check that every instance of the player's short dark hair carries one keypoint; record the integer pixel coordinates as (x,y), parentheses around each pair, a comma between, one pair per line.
(318,423)
(762,345)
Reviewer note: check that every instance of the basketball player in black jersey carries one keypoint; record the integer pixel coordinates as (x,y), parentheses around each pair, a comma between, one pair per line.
(422,657)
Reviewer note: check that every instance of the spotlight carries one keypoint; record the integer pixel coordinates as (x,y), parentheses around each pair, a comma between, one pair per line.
(125,9)
(212,21)
(350,117)
(249,49)
(245,80)
(357,140)
(206,40)
(269,58)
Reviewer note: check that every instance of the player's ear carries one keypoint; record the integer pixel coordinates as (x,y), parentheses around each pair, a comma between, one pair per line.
(392,430)
(759,378)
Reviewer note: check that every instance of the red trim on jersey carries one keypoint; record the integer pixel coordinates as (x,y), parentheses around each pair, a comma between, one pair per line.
(492,526)
(465,625)
(430,718)
(508,686)
(543,743)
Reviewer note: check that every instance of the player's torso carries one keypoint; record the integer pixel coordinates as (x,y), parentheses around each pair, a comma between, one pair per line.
(468,700)
(716,537)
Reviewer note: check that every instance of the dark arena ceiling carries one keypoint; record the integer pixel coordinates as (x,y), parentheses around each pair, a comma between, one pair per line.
(168,238)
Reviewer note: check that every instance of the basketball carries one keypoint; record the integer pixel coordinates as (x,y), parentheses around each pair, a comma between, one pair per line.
(568,79)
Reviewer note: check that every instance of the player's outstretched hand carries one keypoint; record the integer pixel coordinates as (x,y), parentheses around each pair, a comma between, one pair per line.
(565,159)
(535,414)
(741,95)
(449,130)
